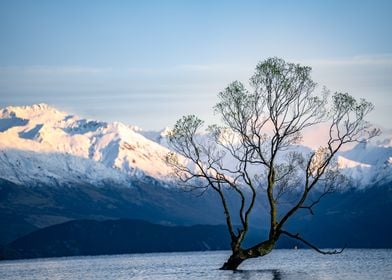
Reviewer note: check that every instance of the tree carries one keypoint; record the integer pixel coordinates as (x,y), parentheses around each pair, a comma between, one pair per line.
(252,154)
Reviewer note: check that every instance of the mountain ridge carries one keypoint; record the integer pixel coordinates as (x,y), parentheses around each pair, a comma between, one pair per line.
(41,129)
(117,152)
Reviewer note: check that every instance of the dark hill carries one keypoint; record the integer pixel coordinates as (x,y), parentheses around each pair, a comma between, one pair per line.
(355,218)
(88,237)
(24,209)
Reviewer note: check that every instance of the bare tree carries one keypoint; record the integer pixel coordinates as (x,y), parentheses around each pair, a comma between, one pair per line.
(259,130)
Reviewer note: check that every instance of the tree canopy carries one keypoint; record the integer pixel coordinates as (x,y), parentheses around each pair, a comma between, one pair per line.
(252,151)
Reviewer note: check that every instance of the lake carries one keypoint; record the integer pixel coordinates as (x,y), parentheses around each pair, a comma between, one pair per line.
(279,265)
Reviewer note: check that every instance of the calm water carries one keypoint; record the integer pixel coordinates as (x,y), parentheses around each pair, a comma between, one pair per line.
(280,264)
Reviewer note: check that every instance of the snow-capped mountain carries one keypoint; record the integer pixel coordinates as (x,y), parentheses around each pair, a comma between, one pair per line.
(38,143)
(42,145)
(112,170)
(368,163)
(365,163)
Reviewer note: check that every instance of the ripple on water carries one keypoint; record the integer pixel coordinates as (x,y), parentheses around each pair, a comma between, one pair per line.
(353,264)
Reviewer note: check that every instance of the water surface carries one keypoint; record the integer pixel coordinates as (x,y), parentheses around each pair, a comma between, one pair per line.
(279,265)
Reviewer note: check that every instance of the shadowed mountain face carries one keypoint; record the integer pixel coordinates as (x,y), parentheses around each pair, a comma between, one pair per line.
(360,219)
(355,219)
(87,237)
(24,209)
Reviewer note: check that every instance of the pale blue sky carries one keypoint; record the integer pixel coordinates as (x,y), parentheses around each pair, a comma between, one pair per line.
(149,62)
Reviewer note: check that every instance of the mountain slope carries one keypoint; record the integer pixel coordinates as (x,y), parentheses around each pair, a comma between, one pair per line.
(87,237)
(355,218)
(364,163)
(25,208)
(41,144)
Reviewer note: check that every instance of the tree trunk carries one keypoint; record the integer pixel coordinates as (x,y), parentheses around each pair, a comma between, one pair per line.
(233,262)
(239,255)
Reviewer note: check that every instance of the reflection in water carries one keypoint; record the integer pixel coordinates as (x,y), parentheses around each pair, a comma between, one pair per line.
(275,274)
(270,274)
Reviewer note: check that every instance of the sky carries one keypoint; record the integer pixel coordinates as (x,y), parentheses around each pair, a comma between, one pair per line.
(147,63)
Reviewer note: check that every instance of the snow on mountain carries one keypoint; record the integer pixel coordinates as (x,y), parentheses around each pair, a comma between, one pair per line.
(39,142)
(159,137)
(372,153)
(364,163)
(368,162)
(347,163)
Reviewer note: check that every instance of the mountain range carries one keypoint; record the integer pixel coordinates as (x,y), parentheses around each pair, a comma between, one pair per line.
(56,167)
(42,145)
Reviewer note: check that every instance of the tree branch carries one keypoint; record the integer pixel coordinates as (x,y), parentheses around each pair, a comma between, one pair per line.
(298,237)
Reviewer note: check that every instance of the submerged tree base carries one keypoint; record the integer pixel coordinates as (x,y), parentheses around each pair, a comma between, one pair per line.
(232,263)
(239,255)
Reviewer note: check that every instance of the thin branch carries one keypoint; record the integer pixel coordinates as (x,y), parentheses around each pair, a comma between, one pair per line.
(298,237)
(311,205)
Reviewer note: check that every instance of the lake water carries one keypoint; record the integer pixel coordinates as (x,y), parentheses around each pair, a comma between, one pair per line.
(279,265)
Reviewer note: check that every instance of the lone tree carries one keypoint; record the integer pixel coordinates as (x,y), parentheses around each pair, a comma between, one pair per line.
(252,154)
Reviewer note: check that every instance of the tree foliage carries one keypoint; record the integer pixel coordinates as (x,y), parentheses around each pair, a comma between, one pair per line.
(251,152)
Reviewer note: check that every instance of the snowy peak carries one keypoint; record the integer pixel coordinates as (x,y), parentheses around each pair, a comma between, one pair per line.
(41,111)
(52,137)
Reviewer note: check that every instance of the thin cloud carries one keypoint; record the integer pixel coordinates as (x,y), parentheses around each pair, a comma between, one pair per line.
(366,60)
(53,70)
